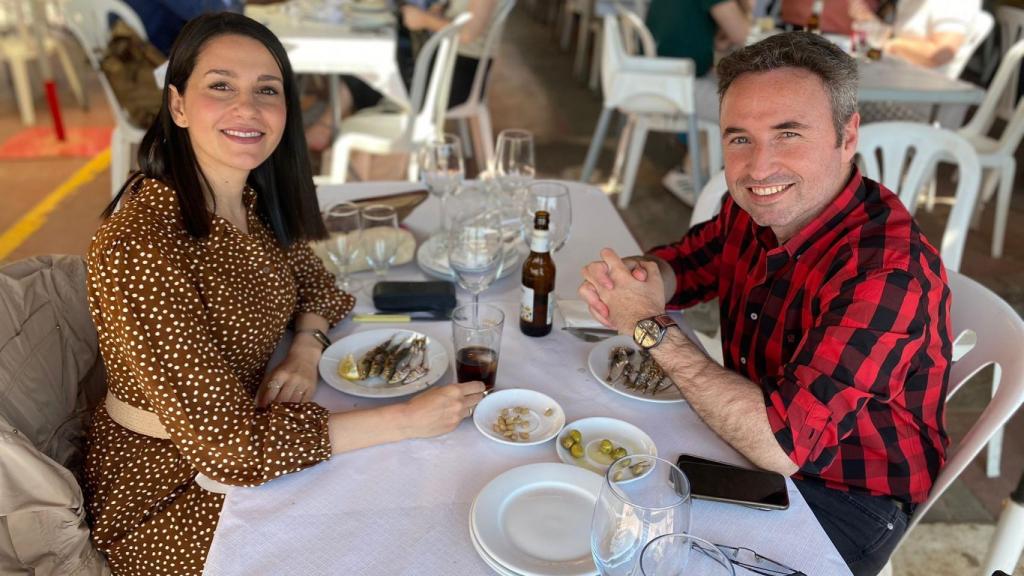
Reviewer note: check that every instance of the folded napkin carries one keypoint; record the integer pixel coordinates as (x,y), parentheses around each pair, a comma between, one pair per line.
(576,314)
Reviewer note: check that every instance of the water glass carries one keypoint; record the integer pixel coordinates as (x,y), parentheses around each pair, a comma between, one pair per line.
(514,166)
(552,197)
(442,171)
(343,226)
(475,242)
(683,555)
(476,334)
(639,502)
(380,237)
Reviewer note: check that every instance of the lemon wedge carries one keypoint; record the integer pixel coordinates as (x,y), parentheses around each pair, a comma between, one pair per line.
(347,368)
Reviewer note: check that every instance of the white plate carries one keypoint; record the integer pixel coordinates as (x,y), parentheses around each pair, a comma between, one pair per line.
(593,430)
(487,558)
(541,428)
(535,519)
(439,268)
(361,342)
(597,361)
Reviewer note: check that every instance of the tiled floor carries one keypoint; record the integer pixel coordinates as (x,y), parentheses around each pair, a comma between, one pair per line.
(533,88)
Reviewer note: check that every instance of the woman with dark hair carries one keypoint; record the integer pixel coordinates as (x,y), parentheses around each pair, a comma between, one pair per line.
(192,283)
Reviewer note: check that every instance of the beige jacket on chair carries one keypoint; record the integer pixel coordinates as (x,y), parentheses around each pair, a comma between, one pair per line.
(50,377)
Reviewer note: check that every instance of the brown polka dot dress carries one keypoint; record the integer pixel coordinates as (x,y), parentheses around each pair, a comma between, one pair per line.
(186,328)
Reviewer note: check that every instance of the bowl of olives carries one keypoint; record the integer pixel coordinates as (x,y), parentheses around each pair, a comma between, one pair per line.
(594,443)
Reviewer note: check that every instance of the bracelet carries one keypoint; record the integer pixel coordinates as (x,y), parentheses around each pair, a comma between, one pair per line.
(318,335)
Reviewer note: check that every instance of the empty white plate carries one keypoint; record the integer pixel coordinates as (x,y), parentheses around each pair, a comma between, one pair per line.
(535,519)
(540,425)
(598,363)
(438,267)
(487,558)
(595,429)
(362,342)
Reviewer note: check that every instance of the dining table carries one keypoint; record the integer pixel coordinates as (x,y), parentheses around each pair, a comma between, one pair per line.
(404,508)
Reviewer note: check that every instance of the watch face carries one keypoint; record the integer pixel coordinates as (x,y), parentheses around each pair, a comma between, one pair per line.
(647,333)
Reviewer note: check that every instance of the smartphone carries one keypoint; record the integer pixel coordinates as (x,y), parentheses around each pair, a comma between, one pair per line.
(711,480)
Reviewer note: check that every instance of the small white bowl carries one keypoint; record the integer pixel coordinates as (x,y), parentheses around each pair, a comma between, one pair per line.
(541,428)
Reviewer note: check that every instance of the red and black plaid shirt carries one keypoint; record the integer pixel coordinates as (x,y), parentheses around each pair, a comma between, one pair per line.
(846,329)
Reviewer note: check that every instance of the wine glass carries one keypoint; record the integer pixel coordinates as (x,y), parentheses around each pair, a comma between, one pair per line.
(553,198)
(642,498)
(475,243)
(514,167)
(380,237)
(442,171)
(343,226)
(683,555)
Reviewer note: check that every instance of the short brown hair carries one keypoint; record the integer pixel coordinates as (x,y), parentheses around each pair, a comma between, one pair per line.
(811,52)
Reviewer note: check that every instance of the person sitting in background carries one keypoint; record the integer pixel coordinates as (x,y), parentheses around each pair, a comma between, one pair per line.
(837,16)
(163,19)
(694,29)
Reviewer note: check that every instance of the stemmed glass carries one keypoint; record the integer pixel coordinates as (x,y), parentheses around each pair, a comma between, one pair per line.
(442,171)
(514,167)
(343,226)
(475,243)
(380,237)
(642,498)
(552,197)
(683,555)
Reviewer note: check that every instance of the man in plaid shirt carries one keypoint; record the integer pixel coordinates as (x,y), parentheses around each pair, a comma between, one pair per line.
(834,306)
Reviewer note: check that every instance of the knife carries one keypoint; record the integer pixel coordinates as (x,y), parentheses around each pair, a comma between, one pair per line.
(590,333)
(381,318)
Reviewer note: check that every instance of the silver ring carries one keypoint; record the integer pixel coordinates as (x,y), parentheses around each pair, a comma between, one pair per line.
(275,385)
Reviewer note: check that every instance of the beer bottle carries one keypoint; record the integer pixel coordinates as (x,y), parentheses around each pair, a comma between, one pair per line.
(814,21)
(535,311)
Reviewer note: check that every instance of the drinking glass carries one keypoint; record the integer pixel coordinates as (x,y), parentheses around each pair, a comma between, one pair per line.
(442,171)
(552,197)
(638,503)
(514,167)
(380,237)
(343,243)
(683,555)
(476,334)
(475,243)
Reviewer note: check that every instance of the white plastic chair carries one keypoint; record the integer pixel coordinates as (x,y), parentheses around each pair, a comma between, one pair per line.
(930,145)
(638,7)
(584,9)
(474,110)
(19,47)
(998,156)
(89,22)
(378,131)
(1011,30)
(710,200)
(1000,338)
(656,94)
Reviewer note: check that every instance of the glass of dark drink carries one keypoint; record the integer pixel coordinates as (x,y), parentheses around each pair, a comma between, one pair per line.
(476,333)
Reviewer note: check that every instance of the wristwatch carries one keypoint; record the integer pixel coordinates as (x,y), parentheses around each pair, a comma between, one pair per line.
(319,336)
(649,332)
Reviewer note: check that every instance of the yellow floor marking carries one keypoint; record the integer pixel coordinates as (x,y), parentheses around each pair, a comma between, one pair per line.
(36,217)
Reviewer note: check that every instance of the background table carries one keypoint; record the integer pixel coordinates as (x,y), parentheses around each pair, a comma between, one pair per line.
(404,508)
(894,80)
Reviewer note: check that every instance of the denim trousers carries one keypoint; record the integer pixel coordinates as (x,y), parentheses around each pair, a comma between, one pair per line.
(865,529)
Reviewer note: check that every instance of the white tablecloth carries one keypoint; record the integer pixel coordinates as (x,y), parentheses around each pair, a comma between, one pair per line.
(404,508)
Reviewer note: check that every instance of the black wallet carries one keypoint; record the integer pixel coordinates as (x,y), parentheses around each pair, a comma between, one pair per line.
(435,296)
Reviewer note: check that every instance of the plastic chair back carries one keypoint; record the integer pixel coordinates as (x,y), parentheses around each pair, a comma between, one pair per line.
(1002,89)
(980,29)
(1000,339)
(642,85)
(710,200)
(493,40)
(430,100)
(1011,31)
(909,154)
(635,34)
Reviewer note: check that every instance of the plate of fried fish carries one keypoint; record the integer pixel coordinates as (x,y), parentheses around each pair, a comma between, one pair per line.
(622,366)
(384,363)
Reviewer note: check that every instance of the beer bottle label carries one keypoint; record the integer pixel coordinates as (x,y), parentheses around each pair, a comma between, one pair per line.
(526,306)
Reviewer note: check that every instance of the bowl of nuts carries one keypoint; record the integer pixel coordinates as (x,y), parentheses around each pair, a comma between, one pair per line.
(594,443)
(519,417)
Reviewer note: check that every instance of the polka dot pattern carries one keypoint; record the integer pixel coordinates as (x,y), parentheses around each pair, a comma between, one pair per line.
(186,328)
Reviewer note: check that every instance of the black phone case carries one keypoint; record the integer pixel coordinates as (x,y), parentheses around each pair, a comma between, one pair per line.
(394,296)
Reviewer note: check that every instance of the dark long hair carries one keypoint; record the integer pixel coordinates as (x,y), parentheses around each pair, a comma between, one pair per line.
(284,181)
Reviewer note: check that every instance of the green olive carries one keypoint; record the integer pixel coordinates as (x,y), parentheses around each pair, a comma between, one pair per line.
(567,442)
(639,469)
(577,450)
(606,446)
(618,452)
(576,436)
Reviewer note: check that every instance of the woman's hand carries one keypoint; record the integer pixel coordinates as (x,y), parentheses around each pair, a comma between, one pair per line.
(414,17)
(293,380)
(439,410)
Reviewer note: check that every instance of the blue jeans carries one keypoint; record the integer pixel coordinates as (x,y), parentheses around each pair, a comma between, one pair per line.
(865,529)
